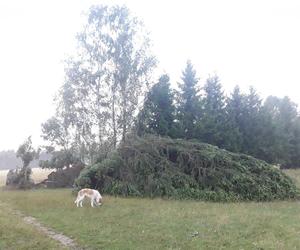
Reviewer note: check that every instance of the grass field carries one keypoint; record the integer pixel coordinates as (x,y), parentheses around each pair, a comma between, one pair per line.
(131,223)
(15,234)
(161,224)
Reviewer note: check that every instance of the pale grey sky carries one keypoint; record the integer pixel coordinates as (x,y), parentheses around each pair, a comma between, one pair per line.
(246,42)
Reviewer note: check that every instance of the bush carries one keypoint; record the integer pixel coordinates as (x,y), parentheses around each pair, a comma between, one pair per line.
(154,166)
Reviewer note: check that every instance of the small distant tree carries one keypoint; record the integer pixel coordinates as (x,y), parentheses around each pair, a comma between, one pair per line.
(27,154)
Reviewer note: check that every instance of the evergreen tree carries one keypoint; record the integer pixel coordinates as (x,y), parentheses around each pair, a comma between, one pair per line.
(285,140)
(211,126)
(157,115)
(250,123)
(234,113)
(270,143)
(188,102)
(295,142)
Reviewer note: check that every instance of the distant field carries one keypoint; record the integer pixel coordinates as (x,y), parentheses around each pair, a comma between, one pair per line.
(294,174)
(38,175)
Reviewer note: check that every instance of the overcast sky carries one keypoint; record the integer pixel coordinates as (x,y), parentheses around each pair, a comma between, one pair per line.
(253,42)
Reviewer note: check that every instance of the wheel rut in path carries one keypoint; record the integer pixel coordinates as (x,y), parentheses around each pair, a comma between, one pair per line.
(61,238)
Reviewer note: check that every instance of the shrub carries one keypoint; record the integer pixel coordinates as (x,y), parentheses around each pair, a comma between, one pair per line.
(154,166)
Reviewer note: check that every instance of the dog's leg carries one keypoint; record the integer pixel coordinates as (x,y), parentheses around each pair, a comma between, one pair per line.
(76,201)
(79,201)
(96,202)
(92,202)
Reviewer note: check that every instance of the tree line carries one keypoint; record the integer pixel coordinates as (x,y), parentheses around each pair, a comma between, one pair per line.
(9,160)
(240,122)
(109,92)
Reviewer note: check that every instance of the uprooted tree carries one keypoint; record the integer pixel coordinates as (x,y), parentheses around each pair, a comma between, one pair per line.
(20,178)
(156,166)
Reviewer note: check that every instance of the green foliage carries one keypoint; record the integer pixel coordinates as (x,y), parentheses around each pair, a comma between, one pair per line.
(154,166)
(234,112)
(26,152)
(104,81)
(55,131)
(188,103)
(157,115)
(59,160)
(283,130)
(211,127)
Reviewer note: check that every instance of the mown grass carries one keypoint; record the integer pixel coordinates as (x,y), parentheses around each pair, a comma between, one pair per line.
(131,223)
(16,235)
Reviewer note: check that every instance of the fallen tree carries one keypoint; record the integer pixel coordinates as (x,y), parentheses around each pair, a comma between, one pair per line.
(154,166)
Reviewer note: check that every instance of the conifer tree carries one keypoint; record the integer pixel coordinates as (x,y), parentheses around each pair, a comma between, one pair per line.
(188,106)
(285,140)
(157,115)
(234,113)
(250,122)
(211,126)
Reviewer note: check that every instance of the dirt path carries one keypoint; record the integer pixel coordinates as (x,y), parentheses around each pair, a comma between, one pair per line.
(61,238)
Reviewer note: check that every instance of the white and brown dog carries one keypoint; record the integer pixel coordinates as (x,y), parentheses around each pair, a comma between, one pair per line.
(93,194)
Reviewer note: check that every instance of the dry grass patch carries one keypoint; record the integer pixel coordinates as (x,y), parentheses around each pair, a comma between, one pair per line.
(294,174)
(3,174)
(38,175)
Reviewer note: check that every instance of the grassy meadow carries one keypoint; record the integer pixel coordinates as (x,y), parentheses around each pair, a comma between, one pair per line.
(15,234)
(132,223)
